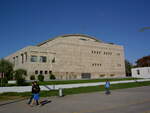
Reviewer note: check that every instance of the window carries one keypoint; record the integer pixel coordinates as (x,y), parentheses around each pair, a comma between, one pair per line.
(25,56)
(13,60)
(45,72)
(50,72)
(83,39)
(41,72)
(85,75)
(36,72)
(33,58)
(53,60)
(138,72)
(118,54)
(43,59)
(22,58)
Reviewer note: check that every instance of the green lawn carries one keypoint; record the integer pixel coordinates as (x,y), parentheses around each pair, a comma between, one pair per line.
(57,82)
(82,81)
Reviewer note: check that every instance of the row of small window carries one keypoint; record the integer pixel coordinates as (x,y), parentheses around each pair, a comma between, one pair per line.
(99,52)
(41,72)
(96,64)
(105,53)
(41,58)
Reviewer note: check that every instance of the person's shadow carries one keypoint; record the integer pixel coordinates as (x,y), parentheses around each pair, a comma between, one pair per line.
(43,102)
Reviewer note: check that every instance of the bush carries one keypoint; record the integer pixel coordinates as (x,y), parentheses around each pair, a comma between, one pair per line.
(20,81)
(32,77)
(3,81)
(52,77)
(41,78)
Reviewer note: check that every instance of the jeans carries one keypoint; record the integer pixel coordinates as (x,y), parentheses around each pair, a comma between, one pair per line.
(31,98)
(107,91)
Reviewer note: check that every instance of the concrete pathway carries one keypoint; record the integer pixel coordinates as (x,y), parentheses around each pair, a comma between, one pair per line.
(132,100)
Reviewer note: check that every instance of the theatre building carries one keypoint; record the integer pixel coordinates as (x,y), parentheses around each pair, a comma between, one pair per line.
(72,56)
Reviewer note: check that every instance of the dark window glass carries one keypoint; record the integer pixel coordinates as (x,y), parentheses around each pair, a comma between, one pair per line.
(138,72)
(43,59)
(33,58)
(50,72)
(36,72)
(41,72)
(45,72)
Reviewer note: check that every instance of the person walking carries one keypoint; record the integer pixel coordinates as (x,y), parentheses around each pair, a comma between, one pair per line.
(32,95)
(107,86)
(36,93)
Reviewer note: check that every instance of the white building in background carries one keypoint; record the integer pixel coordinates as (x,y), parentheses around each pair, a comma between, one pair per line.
(141,72)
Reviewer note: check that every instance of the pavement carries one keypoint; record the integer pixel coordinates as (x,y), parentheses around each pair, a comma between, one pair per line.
(131,100)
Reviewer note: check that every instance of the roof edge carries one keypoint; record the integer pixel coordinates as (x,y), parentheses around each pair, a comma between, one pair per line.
(67,35)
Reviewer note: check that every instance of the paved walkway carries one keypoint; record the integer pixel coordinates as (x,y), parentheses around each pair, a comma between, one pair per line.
(132,100)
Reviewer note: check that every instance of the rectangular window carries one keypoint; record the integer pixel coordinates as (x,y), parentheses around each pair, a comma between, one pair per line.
(14,60)
(26,57)
(138,72)
(45,72)
(41,72)
(22,58)
(36,72)
(43,59)
(33,58)
(85,75)
(17,60)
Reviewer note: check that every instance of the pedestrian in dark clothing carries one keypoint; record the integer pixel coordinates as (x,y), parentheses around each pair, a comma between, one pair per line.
(31,98)
(36,95)
(107,86)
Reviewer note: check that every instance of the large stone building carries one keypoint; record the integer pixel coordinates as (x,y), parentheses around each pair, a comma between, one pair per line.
(72,56)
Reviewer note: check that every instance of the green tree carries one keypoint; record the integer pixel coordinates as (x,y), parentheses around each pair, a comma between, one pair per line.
(128,67)
(32,77)
(52,77)
(143,62)
(6,68)
(41,78)
(19,75)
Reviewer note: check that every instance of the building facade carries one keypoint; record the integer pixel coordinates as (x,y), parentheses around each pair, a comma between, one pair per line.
(141,72)
(72,56)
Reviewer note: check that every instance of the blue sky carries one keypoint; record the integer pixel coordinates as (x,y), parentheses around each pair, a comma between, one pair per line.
(29,22)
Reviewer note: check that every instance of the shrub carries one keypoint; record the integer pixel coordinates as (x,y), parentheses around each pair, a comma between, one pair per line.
(32,77)
(41,78)
(20,81)
(3,81)
(52,77)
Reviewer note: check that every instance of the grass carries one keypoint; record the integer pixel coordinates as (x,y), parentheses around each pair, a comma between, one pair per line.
(82,81)
(57,82)
(75,90)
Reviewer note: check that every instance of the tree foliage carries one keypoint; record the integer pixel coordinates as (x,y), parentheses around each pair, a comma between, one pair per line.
(20,73)
(6,67)
(143,62)
(52,77)
(128,67)
(41,78)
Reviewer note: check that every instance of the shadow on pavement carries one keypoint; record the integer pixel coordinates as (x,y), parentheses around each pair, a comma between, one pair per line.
(45,102)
